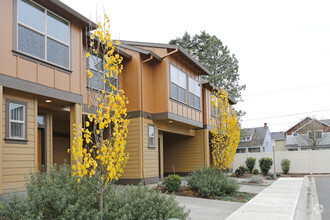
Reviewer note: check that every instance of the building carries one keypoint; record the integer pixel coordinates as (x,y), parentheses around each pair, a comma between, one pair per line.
(44,92)
(255,140)
(278,141)
(309,134)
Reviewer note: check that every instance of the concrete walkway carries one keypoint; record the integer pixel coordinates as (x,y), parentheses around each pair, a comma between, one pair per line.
(208,209)
(278,201)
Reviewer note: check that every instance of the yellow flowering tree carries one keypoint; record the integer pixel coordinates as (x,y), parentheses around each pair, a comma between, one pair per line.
(98,148)
(225,134)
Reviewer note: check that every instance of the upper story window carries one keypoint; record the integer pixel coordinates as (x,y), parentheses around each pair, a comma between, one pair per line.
(194,93)
(314,134)
(97,82)
(43,34)
(178,84)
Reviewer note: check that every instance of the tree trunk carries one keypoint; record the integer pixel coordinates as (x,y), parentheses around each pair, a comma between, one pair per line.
(101,199)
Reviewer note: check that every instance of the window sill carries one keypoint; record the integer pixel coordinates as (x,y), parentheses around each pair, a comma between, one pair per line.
(16,141)
(192,107)
(180,102)
(42,62)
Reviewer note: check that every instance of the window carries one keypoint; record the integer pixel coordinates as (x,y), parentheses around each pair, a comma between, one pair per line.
(214,109)
(96,66)
(194,93)
(42,34)
(16,118)
(178,84)
(314,134)
(151,134)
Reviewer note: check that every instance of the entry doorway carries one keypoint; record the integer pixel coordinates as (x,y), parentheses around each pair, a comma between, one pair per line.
(41,157)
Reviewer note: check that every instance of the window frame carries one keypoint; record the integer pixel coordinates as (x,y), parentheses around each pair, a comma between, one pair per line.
(314,134)
(153,144)
(45,35)
(178,90)
(98,71)
(9,138)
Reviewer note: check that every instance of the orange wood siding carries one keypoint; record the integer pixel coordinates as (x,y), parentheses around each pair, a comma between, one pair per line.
(19,67)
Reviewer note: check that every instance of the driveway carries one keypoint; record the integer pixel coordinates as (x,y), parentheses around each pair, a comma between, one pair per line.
(208,209)
(323,191)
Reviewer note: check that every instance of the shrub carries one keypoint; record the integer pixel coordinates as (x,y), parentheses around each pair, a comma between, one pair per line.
(240,171)
(265,164)
(173,183)
(285,164)
(137,202)
(255,172)
(256,179)
(250,162)
(57,195)
(209,181)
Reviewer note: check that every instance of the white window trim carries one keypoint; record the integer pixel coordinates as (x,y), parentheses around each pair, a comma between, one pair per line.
(151,145)
(178,85)
(45,36)
(16,121)
(199,96)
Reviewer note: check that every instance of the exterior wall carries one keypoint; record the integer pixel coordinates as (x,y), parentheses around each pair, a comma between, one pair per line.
(301,139)
(268,147)
(301,161)
(179,108)
(182,153)
(280,145)
(150,155)
(35,71)
(133,168)
(18,159)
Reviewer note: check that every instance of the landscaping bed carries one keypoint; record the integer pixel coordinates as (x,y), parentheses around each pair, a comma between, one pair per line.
(185,191)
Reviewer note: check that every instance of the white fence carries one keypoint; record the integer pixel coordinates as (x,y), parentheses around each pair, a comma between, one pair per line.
(317,161)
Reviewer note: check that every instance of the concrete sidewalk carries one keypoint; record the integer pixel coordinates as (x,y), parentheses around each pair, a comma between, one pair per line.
(278,201)
(207,209)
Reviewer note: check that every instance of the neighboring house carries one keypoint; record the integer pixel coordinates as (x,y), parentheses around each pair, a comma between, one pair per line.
(278,141)
(255,140)
(309,134)
(44,92)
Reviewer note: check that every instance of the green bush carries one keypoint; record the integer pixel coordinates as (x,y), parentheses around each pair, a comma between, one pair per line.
(285,164)
(137,202)
(209,181)
(240,171)
(173,183)
(265,164)
(250,162)
(57,195)
(255,172)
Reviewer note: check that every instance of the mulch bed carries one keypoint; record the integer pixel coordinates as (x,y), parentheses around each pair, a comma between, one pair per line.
(185,191)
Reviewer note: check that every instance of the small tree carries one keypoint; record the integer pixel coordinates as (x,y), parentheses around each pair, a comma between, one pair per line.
(265,164)
(285,164)
(99,146)
(226,131)
(250,162)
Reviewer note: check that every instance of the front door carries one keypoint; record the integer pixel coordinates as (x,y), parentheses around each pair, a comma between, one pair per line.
(160,156)
(41,157)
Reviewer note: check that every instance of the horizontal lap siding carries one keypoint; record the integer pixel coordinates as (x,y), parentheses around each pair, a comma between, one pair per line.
(133,166)
(18,159)
(151,165)
(182,152)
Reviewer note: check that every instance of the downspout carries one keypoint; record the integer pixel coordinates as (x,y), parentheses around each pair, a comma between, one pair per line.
(141,103)
(170,53)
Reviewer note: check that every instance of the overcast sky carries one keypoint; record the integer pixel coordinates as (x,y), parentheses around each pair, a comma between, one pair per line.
(283,47)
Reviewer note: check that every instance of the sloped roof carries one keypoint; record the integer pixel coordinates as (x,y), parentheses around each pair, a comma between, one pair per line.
(169,46)
(257,138)
(326,121)
(277,136)
(73,12)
